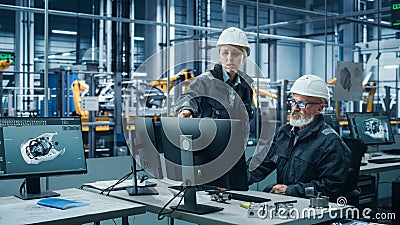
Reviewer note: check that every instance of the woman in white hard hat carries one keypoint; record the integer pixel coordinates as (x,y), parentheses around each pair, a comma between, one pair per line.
(308,155)
(233,50)
(224,92)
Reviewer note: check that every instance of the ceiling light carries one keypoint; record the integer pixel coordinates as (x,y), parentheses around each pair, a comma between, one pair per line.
(391,67)
(64,32)
(138,38)
(66,54)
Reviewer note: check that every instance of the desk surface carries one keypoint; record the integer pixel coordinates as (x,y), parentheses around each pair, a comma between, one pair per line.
(232,213)
(16,211)
(377,168)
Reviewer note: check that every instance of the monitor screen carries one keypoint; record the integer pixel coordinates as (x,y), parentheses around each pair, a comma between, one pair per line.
(371,128)
(145,147)
(218,151)
(34,147)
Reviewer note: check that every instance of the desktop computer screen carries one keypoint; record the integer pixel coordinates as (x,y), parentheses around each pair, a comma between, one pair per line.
(371,128)
(217,147)
(37,147)
(146,153)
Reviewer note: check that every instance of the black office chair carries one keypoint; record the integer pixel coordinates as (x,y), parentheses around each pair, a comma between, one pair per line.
(358,148)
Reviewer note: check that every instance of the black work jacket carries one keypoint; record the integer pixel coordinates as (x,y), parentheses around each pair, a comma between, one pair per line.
(208,96)
(315,157)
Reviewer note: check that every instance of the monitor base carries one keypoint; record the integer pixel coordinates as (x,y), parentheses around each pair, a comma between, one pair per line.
(142,191)
(43,194)
(199,209)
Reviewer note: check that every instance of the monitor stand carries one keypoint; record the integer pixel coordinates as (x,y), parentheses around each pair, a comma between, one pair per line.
(188,176)
(33,190)
(138,190)
(135,190)
(190,205)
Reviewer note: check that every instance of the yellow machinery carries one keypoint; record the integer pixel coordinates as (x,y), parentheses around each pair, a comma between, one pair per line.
(4,64)
(77,87)
(183,75)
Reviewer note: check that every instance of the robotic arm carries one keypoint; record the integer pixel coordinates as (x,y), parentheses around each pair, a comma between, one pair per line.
(4,64)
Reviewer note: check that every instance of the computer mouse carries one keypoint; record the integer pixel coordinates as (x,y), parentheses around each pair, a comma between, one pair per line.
(148,183)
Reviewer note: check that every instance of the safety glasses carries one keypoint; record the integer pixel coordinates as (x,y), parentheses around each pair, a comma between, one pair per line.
(302,104)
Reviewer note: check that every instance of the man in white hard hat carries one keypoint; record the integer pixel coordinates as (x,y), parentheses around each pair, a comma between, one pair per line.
(224,92)
(308,155)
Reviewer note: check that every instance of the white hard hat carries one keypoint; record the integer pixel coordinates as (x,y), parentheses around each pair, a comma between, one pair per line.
(234,36)
(311,85)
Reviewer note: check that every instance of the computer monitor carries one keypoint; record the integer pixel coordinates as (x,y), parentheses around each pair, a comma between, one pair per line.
(218,151)
(145,147)
(31,148)
(144,152)
(371,128)
(204,151)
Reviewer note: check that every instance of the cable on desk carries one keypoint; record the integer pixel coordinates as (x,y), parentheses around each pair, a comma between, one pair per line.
(110,188)
(161,215)
(83,186)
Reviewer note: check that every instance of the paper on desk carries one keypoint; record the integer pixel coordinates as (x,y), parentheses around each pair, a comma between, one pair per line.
(201,197)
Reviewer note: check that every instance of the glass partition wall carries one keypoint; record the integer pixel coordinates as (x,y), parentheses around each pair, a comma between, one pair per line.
(124,58)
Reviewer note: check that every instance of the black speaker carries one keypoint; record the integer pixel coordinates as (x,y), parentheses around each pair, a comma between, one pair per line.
(396,199)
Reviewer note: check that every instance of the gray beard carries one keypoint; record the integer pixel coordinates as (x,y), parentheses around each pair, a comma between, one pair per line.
(301,122)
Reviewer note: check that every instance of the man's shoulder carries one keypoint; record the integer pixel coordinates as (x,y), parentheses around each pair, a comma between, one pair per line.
(329,133)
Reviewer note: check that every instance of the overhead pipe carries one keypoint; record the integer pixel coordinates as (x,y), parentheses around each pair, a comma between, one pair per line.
(145,22)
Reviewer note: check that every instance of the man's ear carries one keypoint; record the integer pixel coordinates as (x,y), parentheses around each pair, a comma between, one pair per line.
(320,108)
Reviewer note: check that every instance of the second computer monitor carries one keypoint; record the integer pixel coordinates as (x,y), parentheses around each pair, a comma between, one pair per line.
(371,128)
(145,147)
(217,146)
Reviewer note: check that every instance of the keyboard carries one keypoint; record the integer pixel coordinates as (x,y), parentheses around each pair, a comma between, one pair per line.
(248,198)
(386,160)
(391,151)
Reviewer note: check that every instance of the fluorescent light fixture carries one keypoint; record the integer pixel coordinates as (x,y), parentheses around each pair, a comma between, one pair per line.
(370,20)
(35,59)
(138,38)
(66,54)
(391,67)
(63,32)
(52,56)
(385,22)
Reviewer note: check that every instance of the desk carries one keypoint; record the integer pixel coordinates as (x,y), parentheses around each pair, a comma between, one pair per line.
(377,168)
(17,211)
(232,213)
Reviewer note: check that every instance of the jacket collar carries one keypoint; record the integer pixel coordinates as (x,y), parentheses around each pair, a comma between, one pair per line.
(217,72)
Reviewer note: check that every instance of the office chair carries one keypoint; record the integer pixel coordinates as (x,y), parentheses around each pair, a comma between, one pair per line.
(358,148)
